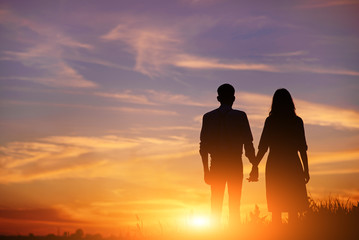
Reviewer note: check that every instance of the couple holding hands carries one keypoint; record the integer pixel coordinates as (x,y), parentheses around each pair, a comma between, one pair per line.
(226,132)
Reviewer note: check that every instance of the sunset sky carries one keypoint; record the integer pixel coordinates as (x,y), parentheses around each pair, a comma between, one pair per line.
(101,103)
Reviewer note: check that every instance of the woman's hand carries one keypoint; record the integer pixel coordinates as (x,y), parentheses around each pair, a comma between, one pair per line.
(306,176)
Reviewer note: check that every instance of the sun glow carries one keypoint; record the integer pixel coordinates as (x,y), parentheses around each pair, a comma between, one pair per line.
(199,222)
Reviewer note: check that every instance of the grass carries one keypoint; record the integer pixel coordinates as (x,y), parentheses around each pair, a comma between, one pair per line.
(332,219)
(328,219)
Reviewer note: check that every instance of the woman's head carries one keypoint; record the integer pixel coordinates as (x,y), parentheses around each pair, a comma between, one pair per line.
(282,103)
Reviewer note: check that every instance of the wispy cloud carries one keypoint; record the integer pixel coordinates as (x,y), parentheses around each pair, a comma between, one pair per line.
(68,77)
(52,157)
(98,143)
(157,49)
(330,156)
(101,108)
(203,63)
(324,115)
(153,97)
(200,2)
(97,61)
(328,3)
(211,63)
(45,53)
(318,69)
(126,96)
(162,97)
(312,113)
(152,47)
(287,54)
(336,168)
(79,156)
(145,111)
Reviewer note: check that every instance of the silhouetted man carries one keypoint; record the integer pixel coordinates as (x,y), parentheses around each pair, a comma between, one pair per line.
(224,133)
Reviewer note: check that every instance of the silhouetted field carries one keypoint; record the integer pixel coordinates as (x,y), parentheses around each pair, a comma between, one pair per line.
(330,219)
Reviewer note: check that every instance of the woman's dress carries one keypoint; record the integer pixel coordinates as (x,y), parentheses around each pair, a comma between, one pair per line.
(285,184)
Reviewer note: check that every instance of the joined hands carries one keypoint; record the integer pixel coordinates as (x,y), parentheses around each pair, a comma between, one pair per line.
(253,175)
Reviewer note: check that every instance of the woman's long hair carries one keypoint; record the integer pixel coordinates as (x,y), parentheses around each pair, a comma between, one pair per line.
(282,104)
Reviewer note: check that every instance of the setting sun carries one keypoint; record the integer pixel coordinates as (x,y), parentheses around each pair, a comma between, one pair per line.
(199,222)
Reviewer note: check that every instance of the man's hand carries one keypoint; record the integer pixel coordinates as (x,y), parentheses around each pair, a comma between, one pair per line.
(207,177)
(253,175)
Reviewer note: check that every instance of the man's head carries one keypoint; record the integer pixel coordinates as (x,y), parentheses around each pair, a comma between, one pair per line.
(226,94)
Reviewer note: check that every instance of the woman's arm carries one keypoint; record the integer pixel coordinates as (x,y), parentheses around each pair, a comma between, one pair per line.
(304,156)
(263,143)
(260,155)
(303,151)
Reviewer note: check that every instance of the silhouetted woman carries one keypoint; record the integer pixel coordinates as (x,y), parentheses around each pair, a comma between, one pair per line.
(283,134)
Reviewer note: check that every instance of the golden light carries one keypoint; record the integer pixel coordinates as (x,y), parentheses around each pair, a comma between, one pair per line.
(199,222)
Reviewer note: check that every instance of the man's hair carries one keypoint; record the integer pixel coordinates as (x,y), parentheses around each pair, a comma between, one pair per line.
(226,94)
(226,90)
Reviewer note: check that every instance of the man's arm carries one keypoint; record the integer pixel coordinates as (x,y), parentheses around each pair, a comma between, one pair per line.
(249,150)
(204,156)
(203,151)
